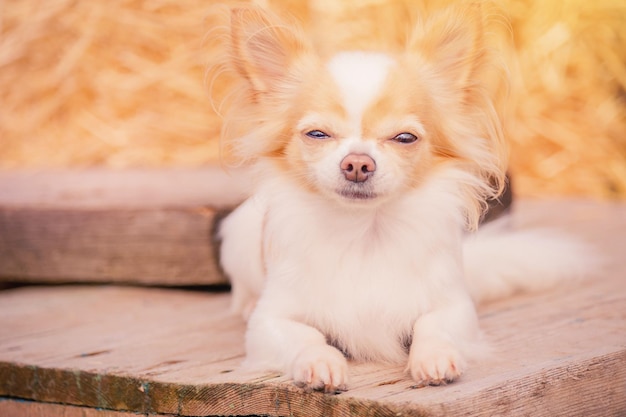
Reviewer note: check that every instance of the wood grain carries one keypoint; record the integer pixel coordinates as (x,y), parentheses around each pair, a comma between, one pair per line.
(147,246)
(147,227)
(20,408)
(147,350)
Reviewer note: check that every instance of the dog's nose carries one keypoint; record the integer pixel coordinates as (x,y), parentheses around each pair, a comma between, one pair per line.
(357,167)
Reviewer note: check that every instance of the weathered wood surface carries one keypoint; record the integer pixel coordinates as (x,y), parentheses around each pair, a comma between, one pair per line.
(20,408)
(558,353)
(106,188)
(148,226)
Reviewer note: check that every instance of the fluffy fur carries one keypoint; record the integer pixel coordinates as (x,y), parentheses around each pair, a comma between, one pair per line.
(371,165)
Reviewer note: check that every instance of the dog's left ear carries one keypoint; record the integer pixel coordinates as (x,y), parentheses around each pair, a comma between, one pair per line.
(452,40)
(263,46)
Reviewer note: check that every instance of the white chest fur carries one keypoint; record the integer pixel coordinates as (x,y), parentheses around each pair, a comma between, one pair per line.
(361,277)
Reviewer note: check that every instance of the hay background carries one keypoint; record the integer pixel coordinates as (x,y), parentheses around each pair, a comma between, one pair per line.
(121,84)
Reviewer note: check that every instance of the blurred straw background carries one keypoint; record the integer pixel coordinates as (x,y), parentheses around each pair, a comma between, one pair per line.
(121,84)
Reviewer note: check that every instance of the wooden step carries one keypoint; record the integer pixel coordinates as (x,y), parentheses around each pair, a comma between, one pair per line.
(113,350)
(98,225)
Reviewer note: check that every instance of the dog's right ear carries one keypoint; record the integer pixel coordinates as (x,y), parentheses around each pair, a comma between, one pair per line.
(263,46)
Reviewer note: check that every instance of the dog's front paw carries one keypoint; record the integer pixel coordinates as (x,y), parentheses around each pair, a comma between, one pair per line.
(321,368)
(435,363)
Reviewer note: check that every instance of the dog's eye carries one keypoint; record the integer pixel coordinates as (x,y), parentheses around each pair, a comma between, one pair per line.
(405,137)
(317,134)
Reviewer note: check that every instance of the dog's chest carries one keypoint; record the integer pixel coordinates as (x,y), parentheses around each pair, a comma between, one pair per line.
(366,308)
(362,287)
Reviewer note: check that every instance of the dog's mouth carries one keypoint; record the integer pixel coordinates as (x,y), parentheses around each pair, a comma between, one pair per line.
(357,194)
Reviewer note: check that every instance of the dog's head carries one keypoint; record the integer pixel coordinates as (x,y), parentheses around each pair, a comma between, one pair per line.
(363,127)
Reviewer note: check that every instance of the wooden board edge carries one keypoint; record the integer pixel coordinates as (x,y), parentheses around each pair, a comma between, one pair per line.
(170,247)
(210,185)
(17,407)
(585,387)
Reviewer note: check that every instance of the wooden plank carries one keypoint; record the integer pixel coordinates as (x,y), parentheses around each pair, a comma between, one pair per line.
(148,246)
(148,227)
(94,188)
(175,352)
(17,408)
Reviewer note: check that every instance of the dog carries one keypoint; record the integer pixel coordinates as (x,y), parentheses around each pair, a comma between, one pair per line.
(373,169)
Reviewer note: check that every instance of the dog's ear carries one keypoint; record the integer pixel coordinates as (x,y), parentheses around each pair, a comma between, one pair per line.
(452,40)
(263,46)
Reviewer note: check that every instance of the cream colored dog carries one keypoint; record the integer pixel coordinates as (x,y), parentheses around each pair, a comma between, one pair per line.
(371,166)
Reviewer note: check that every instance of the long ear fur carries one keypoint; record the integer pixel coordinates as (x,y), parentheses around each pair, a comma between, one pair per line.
(257,62)
(452,39)
(263,46)
(454,44)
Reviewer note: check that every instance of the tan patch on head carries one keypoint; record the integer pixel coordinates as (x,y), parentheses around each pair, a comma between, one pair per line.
(405,105)
(317,107)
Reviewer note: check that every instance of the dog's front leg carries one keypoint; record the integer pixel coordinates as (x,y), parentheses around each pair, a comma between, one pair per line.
(441,340)
(297,349)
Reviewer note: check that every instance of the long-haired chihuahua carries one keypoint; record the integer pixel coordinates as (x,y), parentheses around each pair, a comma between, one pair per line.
(373,169)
